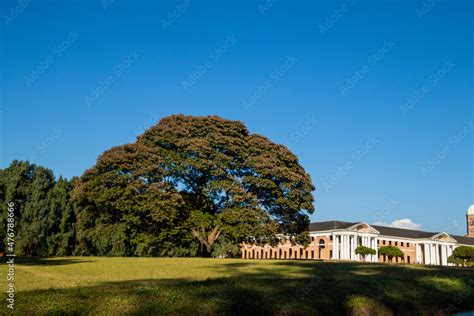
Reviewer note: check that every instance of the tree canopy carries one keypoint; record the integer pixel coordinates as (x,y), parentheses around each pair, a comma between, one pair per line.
(391,252)
(364,251)
(44,210)
(462,255)
(191,179)
(188,186)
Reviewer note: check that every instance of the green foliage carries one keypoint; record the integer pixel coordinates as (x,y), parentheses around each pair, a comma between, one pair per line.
(44,212)
(226,249)
(195,178)
(456,261)
(365,251)
(126,206)
(186,185)
(462,255)
(391,252)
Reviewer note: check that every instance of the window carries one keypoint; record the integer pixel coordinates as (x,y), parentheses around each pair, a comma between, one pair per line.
(384,242)
(402,243)
(312,238)
(408,244)
(390,243)
(312,254)
(330,254)
(330,238)
(408,259)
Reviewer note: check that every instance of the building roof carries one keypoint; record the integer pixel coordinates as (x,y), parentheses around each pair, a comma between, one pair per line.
(386,231)
(330,225)
(464,240)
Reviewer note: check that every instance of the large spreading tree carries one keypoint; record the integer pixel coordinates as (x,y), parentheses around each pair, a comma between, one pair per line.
(192,179)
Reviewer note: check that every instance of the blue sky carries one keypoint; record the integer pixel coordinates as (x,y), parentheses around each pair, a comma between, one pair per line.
(375,97)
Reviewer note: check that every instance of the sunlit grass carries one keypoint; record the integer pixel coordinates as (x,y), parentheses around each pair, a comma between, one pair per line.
(151,286)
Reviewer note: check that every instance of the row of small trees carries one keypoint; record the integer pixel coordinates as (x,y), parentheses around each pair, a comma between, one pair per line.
(389,251)
(462,256)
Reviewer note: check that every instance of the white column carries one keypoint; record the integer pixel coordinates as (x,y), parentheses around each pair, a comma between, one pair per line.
(427,253)
(335,247)
(444,257)
(341,247)
(346,247)
(418,253)
(432,255)
(438,261)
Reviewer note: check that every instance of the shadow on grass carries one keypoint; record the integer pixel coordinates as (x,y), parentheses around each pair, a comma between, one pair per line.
(271,288)
(48,261)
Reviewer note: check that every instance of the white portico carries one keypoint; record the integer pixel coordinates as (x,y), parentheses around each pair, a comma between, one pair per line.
(345,241)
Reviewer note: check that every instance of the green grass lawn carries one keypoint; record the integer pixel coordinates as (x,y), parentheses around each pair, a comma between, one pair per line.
(150,286)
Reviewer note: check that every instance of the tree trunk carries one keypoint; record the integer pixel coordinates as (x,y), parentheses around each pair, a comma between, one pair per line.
(207,240)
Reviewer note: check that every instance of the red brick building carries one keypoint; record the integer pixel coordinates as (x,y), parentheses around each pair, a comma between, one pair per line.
(336,240)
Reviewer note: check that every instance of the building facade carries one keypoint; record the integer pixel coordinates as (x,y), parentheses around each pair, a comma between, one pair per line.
(336,240)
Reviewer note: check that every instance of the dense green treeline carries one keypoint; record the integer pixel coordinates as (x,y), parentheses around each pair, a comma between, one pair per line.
(45,215)
(188,186)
